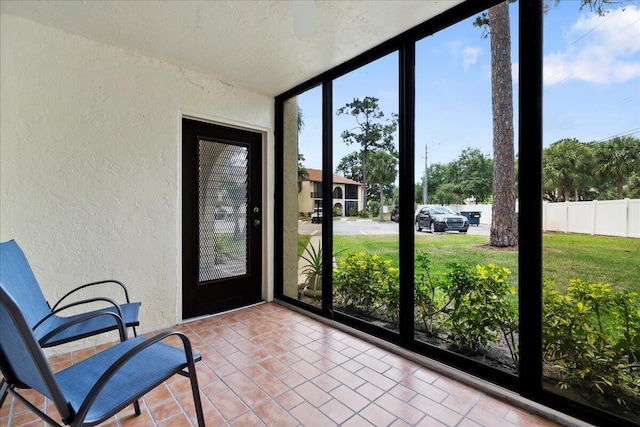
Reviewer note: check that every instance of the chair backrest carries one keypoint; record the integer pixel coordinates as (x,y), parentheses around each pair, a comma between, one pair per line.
(22,361)
(19,281)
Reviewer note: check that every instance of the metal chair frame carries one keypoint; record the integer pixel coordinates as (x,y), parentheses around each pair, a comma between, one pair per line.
(24,366)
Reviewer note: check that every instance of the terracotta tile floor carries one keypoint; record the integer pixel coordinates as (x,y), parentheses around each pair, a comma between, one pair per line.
(269,366)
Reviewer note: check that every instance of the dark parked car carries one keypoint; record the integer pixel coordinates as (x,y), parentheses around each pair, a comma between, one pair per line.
(440,218)
(395,213)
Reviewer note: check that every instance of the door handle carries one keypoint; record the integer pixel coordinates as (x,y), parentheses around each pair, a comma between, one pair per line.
(256,222)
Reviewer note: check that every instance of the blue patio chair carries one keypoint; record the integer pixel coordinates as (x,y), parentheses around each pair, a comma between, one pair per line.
(49,327)
(92,391)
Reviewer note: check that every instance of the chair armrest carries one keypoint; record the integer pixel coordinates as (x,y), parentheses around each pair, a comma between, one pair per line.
(122,329)
(84,301)
(122,360)
(124,289)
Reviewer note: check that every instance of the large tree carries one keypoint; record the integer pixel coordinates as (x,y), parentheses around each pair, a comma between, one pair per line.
(504,231)
(350,166)
(504,227)
(444,184)
(467,177)
(476,168)
(373,131)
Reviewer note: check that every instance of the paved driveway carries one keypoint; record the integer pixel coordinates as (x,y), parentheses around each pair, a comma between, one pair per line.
(373,227)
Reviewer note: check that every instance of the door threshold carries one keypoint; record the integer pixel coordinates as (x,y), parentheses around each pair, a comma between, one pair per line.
(206,316)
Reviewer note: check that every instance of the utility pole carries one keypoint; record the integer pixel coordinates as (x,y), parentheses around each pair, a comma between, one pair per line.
(425,182)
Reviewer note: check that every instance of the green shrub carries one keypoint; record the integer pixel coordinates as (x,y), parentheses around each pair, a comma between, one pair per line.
(429,298)
(591,336)
(473,305)
(481,307)
(366,283)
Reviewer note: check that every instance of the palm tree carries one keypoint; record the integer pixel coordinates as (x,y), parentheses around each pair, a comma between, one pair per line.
(567,167)
(617,159)
(383,170)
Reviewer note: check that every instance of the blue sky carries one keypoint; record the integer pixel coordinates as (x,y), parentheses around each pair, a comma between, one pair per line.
(591,86)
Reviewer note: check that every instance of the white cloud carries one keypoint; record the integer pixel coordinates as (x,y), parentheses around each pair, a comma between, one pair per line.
(470,56)
(600,49)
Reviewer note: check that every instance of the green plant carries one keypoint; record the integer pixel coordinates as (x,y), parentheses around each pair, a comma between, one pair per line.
(481,307)
(429,299)
(313,268)
(591,336)
(366,283)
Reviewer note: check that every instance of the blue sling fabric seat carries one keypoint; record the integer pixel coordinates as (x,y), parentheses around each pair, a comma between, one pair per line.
(91,391)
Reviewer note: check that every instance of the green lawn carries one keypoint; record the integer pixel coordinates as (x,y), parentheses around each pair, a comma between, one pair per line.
(612,260)
(594,259)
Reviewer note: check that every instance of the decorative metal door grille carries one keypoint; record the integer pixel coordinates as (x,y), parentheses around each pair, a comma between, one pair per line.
(223,187)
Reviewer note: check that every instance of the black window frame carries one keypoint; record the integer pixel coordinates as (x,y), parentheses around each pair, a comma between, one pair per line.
(529,382)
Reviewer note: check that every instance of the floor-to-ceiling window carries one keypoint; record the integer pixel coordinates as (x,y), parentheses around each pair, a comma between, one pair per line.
(460,276)
(465,284)
(365,163)
(303,211)
(591,185)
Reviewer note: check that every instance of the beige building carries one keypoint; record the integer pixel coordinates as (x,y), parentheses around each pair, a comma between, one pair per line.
(348,195)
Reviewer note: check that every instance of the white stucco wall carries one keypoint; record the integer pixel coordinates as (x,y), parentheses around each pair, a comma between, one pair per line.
(90,160)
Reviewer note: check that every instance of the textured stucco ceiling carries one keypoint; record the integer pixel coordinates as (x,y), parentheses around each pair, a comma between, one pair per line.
(250,44)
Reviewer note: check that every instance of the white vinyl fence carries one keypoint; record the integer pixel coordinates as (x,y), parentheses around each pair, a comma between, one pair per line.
(607,218)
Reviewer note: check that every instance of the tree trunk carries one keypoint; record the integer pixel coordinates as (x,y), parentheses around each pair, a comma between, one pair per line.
(619,181)
(504,230)
(381,200)
(364,179)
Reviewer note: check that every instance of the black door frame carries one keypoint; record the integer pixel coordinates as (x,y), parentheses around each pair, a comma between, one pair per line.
(235,292)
